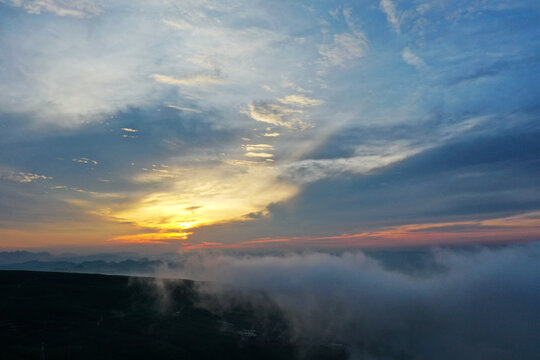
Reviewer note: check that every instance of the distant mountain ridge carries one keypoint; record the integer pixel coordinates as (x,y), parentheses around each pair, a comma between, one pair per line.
(413,261)
(13,257)
(142,266)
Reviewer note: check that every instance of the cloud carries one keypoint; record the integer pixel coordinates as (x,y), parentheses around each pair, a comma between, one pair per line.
(258,154)
(415,304)
(345,49)
(258,147)
(64,76)
(74,8)
(390,10)
(310,170)
(423,303)
(446,305)
(129,130)
(276,114)
(193,80)
(10,174)
(286,111)
(65,82)
(61,76)
(179,24)
(184,109)
(85,161)
(24,177)
(492,69)
(466,180)
(258,151)
(497,230)
(299,100)
(414,60)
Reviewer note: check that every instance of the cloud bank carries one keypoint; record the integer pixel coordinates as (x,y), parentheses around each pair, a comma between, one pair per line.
(466,305)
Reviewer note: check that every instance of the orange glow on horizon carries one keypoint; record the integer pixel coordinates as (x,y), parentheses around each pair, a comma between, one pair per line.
(513,228)
(151,238)
(204,245)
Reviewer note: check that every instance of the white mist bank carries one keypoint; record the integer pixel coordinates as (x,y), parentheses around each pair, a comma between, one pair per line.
(481,305)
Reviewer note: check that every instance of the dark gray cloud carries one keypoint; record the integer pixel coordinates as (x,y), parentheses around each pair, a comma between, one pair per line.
(479,177)
(496,68)
(475,178)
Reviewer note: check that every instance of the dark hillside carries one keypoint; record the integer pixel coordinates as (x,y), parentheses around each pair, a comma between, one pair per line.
(87,316)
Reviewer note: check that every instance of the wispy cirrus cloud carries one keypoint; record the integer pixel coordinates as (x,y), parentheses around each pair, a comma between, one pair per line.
(288,111)
(306,171)
(412,59)
(192,80)
(276,114)
(182,108)
(75,8)
(344,50)
(389,9)
(299,100)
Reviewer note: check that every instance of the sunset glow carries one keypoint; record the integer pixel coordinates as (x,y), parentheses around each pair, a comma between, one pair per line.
(181,125)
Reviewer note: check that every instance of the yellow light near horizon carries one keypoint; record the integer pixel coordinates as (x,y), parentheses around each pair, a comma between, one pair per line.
(206,196)
(151,237)
(187,224)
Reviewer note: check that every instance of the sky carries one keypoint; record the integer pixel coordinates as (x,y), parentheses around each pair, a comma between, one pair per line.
(195,124)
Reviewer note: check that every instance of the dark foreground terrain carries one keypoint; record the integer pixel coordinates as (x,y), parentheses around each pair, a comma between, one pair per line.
(87,316)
